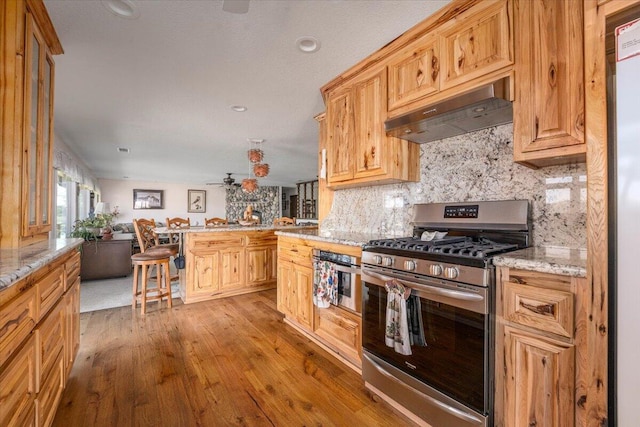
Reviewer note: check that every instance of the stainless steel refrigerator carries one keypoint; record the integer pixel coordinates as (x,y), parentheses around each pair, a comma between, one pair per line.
(623,32)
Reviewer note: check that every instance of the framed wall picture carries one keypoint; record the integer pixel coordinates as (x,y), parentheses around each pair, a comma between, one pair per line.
(148,199)
(197,200)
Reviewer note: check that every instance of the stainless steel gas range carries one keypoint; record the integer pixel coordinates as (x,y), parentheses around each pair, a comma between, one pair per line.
(428,305)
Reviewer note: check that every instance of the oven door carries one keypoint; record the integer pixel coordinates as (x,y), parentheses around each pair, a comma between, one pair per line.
(454,363)
(348,278)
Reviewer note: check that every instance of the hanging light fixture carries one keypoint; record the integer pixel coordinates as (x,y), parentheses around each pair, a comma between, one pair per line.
(249,185)
(259,169)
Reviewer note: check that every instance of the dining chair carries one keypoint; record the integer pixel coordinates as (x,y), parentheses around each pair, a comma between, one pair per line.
(284,221)
(212,222)
(177,223)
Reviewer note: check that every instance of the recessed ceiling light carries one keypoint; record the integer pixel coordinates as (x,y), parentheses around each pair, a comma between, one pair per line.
(122,8)
(124,150)
(308,44)
(239,108)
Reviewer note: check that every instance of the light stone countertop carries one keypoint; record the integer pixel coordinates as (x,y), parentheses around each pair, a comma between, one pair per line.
(340,237)
(230,227)
(18,263)
(546,259)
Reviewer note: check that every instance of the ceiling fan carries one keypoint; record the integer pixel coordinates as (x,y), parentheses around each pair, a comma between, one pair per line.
(228,182)
(235,6)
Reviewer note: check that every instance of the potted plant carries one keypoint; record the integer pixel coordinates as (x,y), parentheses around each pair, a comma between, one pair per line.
(95,225)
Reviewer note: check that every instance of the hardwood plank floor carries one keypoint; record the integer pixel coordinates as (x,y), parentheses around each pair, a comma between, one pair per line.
(229,362)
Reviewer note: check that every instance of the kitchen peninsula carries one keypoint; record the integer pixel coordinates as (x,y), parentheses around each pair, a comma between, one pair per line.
(227,260)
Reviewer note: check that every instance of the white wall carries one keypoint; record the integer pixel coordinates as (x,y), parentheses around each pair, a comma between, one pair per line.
(120,193)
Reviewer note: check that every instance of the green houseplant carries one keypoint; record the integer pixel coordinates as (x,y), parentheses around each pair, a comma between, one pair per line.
(93,226)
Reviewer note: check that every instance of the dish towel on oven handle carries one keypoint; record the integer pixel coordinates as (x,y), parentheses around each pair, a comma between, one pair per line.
(414,317)
(397,327)
(325,284)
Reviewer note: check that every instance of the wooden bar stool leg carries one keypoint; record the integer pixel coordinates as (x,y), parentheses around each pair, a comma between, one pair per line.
(143,302)
(167,280)
(136,267)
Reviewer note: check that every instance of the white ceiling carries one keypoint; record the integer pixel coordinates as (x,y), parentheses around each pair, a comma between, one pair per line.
(162,84)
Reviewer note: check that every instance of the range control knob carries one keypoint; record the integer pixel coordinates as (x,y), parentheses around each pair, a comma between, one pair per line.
(387,261)
(435,269)
(409,265)
(451,272)
(377,259)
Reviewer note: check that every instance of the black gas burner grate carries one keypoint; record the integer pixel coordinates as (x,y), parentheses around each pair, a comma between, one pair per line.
(452,246)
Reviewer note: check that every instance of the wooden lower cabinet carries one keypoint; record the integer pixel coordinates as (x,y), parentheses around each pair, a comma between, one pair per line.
(336,329)
(539,389)
(295,284)
(342,329)
(72,325)
(39,338)
(220,264)
(18,387)
(540,348)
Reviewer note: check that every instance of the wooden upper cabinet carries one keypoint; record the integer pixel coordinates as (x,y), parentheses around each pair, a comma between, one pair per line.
(369,110)
(549,105)
(358,150)
(340,128)
(414,71)
(476,43)
(37,132)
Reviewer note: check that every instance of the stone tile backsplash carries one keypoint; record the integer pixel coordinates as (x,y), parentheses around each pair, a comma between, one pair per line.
(264,199)
(471,167)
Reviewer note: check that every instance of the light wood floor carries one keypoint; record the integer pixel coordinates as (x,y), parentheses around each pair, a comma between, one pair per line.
(230,362)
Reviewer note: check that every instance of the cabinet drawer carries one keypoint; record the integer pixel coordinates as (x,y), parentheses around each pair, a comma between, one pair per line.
(17,320)
(18,387)
(209,241)
(71,270)
(262,238)
(549,310)
(296,252)
(50,289)
(340,329)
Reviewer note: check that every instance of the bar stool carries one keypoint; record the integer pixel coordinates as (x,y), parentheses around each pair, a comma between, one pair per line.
(151,255)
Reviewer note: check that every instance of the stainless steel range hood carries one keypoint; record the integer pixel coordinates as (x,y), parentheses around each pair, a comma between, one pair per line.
(478,109)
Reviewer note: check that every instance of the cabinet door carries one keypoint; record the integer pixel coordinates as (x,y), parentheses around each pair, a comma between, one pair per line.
(18,388)
(285,289)
(72,326)
(476,44)
(17,320)
(340,134)
(205,274)
(549,102)
(539,382)
(50,335)
(232,268)
(414,72)
(38,133)
(303,278)
(258,266)
(370,109)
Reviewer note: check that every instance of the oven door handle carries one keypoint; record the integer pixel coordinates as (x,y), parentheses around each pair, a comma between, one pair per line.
(344,269)
(470,418)
(428,289)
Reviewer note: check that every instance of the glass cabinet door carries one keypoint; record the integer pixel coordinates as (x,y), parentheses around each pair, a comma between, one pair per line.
(38,133)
